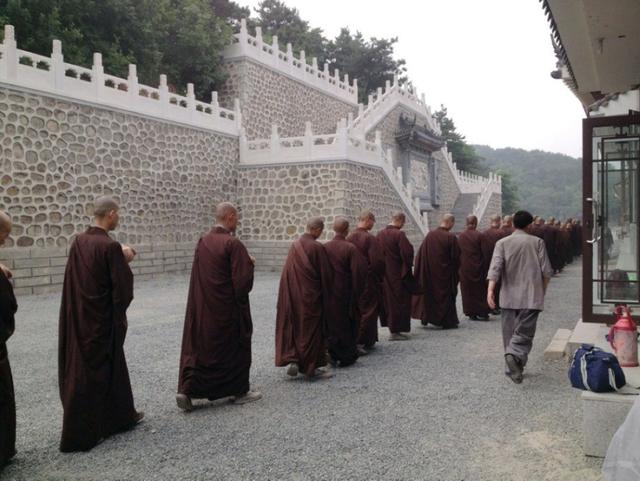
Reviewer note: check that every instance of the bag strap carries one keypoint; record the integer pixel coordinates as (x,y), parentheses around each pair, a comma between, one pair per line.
(583,372)
(612,380)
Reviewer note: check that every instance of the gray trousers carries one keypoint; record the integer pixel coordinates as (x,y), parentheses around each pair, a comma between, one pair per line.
(518,329)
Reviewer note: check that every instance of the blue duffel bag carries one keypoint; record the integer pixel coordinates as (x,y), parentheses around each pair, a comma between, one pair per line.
(593,369)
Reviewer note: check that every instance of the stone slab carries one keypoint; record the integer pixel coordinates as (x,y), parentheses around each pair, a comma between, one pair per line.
(602,415)
(557,348)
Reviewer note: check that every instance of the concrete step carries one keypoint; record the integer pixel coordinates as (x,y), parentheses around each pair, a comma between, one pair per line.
(558,347)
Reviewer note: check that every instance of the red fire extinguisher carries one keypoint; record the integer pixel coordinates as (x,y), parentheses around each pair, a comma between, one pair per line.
(623,337)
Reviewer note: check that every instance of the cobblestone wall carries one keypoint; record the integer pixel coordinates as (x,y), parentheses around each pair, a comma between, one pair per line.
(58,156)
(268,97)
(493,207)
(278,200)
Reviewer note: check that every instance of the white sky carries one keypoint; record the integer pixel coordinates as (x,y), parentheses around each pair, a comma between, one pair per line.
(487,61)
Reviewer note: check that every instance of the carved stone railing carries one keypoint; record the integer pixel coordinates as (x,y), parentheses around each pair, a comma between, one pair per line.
(491,185)
(341,146)
(52,75)
(384,101)
(270,55)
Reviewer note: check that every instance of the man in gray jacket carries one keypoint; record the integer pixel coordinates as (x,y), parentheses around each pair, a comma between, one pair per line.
(521,264)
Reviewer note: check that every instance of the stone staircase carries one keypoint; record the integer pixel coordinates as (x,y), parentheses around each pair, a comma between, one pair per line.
(462,208)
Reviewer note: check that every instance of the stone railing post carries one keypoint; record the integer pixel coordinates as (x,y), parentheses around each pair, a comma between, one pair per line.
(275,143)
(57,65)
(308,141)
(97,75)
(164,95)
(259,39)
(10,56)
(276,50)
(290,57)
(244,34)
(191,101)
(132,83)
(342,142)
(243,146)
(237,112)
(355,89)
(326,73)
(215,107)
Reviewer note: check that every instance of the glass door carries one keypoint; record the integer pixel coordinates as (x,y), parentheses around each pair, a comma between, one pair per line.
(611,260)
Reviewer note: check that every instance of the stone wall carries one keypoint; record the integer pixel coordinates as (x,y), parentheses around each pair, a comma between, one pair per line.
(493,207)
(278,200)
(58,156)
(419,175)
(268,97)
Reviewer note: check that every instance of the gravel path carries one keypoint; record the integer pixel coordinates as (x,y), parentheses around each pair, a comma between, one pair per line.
(437,407)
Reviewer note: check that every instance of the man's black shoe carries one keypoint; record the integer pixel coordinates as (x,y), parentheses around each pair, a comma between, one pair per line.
(515,369)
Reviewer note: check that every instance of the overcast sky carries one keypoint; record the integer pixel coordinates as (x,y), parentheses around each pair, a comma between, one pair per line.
(487,61)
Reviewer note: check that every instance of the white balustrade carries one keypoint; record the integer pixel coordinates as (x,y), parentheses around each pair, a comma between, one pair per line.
(52,75)
(341,146)
(254,48)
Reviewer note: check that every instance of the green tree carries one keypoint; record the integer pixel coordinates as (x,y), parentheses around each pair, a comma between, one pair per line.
(510,198)
(464,155)
(182,38)
(370,61)
(276,18)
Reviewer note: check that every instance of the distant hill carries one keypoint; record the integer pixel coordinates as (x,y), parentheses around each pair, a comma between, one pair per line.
(549,184)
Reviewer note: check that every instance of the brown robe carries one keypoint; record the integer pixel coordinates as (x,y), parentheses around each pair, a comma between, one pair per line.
(507,230)
(8,308)
(93,377)
(349,272)
(473,279)
(301,322)
(216,341)
(550,238)
(437,266)
(536,230)
(489,238)
(566,249)
(370,302)
(398,284)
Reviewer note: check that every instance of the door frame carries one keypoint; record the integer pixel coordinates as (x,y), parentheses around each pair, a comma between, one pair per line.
(588,125)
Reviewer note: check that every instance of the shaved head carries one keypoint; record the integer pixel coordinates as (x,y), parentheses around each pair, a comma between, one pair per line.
(341,226)
(366,215)
(315,223)
(366,220)
(315,226)
(472,220)
(496,220)
(5,226)
(227,216)
(398,219)
(447,221)
(399,215)
(103,206)
(105,211)
(224,209)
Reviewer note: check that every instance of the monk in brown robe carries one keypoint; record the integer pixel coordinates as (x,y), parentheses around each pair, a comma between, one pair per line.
(8,308)
(577,238)
(437,266)
(550,237)
(370,302)
(490,236)
(398,284)
(349,273)
(507,225)
(305,291)
(473,284)
(536,228)
(93,377)
(216,341)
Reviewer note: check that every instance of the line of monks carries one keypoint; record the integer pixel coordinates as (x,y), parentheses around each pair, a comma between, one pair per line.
(330,298)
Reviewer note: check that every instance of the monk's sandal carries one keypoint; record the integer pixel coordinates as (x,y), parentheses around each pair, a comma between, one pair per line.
(184,402)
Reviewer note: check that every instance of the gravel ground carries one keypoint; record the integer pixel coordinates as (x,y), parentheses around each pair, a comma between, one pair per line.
(437,407)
